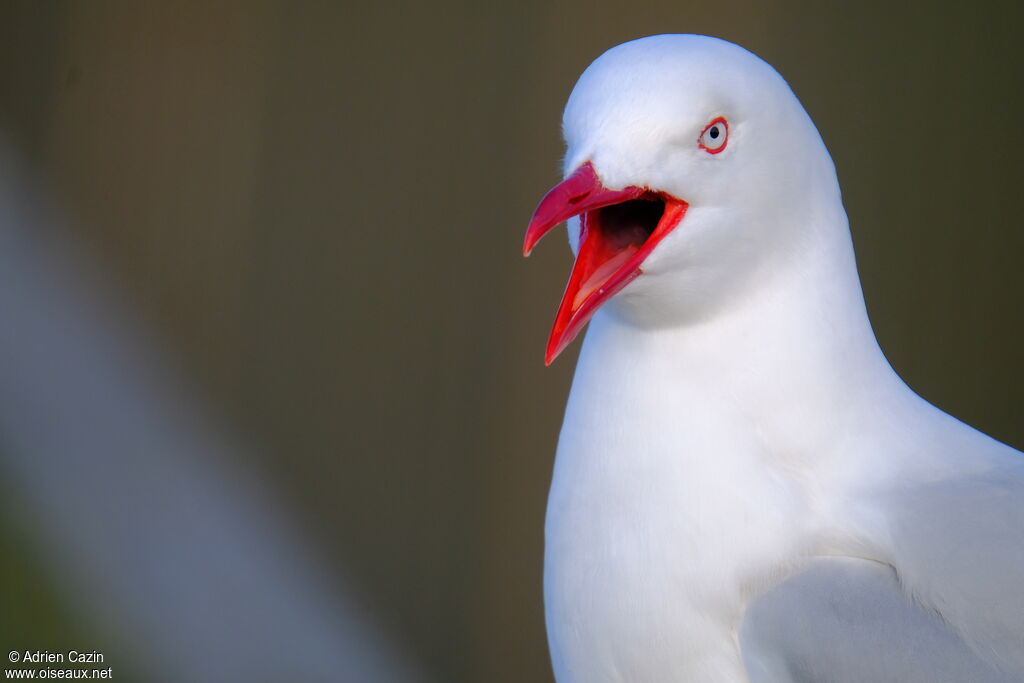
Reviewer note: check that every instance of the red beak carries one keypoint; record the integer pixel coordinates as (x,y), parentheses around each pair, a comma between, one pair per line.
(618,229)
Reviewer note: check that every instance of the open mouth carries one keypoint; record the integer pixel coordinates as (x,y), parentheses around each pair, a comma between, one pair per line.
(615,233)
(618,229)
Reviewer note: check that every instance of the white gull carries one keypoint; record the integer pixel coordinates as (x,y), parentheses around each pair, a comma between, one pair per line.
(744,489)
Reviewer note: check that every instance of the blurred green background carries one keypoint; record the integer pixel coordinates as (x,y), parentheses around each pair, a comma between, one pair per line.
(318,207)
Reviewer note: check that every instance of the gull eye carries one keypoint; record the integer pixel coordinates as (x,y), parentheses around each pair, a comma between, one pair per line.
(714,136)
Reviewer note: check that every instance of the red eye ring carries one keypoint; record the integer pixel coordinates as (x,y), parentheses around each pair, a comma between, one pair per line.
(708,145)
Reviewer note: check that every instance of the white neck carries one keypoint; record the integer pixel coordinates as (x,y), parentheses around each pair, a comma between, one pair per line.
(794,354)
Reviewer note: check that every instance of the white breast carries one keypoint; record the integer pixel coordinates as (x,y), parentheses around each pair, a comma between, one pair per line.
(663,518)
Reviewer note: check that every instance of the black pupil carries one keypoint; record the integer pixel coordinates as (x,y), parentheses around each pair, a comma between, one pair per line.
(713,132)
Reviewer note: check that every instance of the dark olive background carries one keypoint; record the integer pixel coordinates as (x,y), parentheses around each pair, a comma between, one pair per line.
(319,208)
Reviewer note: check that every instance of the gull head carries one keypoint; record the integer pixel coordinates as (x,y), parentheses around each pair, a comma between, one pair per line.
(692,175)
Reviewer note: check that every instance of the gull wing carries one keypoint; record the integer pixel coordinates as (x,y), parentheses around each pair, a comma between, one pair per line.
(847,620)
